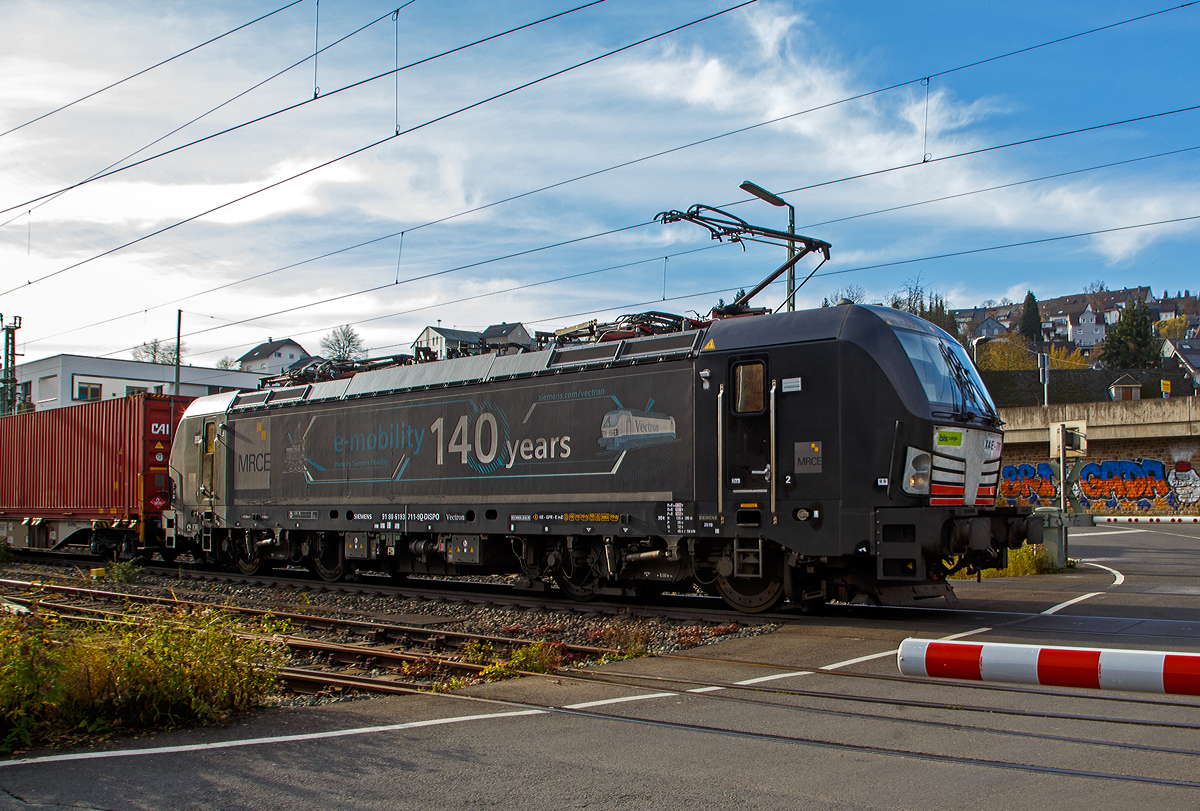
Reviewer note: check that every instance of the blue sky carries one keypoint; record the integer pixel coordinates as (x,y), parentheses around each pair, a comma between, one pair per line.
(764,61)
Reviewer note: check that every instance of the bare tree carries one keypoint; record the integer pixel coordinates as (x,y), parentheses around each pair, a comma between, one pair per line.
(227,363)
(343,344)
(850,292)
(156,351)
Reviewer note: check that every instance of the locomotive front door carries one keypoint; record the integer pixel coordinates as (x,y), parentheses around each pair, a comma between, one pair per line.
(746,425)
(208,459)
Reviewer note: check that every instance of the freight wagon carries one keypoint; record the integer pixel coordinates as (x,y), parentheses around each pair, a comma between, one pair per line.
(94,474)
(817,455)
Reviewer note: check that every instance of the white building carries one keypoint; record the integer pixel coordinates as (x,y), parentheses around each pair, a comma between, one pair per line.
(63,380)
(272,357)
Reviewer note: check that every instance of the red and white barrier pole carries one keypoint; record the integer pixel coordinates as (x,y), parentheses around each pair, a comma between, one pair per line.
(1097,668)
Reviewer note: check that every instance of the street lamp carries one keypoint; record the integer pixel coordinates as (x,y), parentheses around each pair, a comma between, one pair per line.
(776,200)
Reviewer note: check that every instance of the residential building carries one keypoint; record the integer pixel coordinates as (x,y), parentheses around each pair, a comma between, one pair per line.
(441,342)
(63,380)
(272,357)
(1186,352)
(989,327)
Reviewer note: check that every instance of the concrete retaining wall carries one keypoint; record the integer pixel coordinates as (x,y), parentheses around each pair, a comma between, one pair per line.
(1142,456)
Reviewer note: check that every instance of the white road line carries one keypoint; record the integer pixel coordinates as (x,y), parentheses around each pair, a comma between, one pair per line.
(641,697)
(1077,532)
(310,736)
(837,665)
(1118,578)
(1072,601)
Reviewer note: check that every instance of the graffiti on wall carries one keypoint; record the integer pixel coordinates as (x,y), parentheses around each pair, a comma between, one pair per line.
(1138,483)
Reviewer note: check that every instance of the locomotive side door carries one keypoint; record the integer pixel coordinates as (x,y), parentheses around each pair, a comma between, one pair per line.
(746,427)
(208,464)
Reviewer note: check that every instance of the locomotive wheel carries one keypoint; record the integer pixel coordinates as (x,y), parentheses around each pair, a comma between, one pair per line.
(752,595)
(252,567)
(330,562)
(581,585)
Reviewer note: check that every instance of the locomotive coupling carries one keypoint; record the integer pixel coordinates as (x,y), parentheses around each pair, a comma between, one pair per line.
(994,532)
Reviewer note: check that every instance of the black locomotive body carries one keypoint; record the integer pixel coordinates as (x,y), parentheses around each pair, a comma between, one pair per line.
(815,455)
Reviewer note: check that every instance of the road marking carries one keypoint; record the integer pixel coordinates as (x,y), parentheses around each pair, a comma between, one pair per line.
(1118,578)
(836,665)
(641,697)
(1098,531)
(1072,601)
(310,736)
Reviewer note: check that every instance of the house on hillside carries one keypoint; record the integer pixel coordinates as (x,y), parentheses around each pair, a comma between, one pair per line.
(1187,354)
(988,328)
(272,357)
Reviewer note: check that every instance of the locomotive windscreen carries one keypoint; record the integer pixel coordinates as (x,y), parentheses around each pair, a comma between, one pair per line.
(946,373)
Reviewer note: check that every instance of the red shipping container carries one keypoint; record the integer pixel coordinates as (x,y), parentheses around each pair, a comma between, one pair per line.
(95,461)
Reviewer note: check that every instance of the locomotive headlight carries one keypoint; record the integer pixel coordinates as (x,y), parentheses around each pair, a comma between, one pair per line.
(916,472)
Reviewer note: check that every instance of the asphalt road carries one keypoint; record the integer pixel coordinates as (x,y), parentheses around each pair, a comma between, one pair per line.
(783,739)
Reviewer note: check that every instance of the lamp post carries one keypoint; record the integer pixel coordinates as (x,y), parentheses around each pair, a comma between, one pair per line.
(776,200)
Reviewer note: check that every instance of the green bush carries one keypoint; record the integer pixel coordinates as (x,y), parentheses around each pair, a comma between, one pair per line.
(6,555)
(1024,561)
(161,669)
(125,571)
(543,656)
(479,652)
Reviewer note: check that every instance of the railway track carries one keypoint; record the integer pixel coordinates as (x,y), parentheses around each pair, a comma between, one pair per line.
(384,664)
(682,607)
(433,654)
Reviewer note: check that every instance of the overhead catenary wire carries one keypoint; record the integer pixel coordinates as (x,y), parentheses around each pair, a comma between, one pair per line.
(147,70)
(374,144)
(605,233)
(738,131)
(717,291)
(328,254)
(96,175)
(298,105)
(940,73)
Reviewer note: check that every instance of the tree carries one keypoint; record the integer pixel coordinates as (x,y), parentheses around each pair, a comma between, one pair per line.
(1012,352)
(721,302)
(1094,293)
(1176,327)
(1131,343)
(156,351)
(850,292)
(227,363)
(1061,358)
(343,344)
(1031,319)
(913,297)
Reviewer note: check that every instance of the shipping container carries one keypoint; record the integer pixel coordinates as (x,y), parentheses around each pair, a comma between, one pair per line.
(94,473)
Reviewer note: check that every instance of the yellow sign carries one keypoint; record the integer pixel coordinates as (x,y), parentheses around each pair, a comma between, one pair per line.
(709,345)
(950,438)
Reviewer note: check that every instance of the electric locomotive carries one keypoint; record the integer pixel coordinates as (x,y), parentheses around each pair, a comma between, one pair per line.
(842,452)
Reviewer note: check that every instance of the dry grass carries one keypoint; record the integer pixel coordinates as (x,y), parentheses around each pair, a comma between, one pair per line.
(161,669)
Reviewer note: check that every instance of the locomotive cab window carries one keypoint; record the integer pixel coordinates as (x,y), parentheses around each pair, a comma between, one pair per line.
(748,389)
